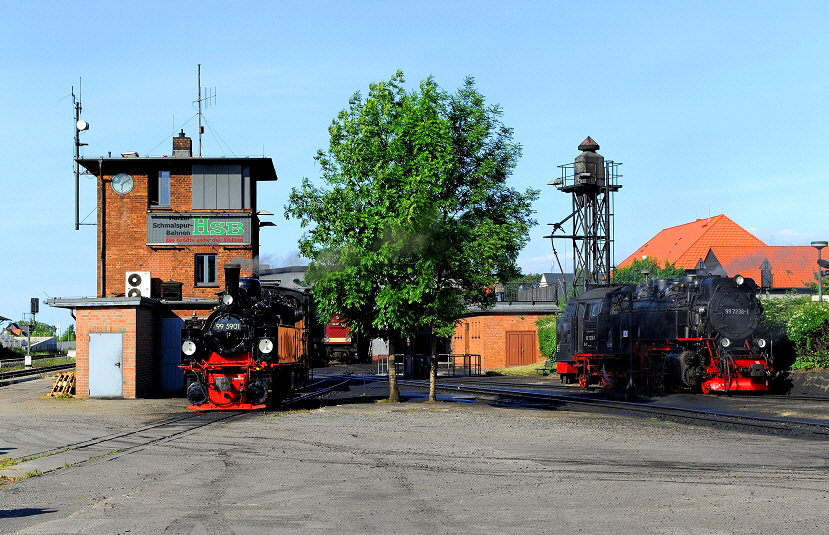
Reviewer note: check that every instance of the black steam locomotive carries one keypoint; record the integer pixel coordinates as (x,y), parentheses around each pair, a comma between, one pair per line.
(691,333)
(251,352)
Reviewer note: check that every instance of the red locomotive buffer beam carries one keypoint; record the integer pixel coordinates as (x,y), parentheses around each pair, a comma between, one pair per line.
(741,374)
(227,384)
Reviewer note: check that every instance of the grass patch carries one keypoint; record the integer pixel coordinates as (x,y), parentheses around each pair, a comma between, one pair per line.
(7,462)
(60,397)
(662,421)
(281,414)
(525,370)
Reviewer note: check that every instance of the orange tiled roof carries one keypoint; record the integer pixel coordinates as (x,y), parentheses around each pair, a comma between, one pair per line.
(684,245)
(791,266)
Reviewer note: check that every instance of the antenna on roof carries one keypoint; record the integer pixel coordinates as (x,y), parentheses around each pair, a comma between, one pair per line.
(210,96)
(80,126)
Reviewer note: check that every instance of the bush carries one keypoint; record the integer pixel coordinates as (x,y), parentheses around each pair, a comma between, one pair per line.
(547,336)
(802,325)
(808,329)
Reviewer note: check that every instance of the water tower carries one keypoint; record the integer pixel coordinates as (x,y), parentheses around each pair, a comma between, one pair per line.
(591,181)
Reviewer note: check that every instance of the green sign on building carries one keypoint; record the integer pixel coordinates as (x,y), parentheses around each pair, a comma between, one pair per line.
(198,229)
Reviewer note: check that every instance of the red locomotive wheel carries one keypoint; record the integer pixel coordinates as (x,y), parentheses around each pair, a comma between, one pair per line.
(609,379)
(583,381)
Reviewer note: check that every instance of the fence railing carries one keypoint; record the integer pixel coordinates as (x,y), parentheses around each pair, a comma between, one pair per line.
(417,366)
(527,292)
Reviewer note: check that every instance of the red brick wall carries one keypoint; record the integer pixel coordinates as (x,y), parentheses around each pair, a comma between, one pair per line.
(141,358)
(124,224)
(486,336)
(138,346)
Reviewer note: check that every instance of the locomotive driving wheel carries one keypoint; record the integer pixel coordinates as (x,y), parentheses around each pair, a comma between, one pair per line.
(583,381)
(609,378)
(659,383)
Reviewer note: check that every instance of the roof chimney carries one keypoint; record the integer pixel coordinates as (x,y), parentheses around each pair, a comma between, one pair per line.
(182,146)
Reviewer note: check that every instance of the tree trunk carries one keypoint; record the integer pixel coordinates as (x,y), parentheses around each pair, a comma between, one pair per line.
(394,391)
(433,368)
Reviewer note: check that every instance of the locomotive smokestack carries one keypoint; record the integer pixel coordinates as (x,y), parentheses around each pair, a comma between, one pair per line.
(232,272)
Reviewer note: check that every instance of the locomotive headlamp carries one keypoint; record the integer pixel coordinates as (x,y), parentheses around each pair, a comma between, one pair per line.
(761,342)
(739,279)
(188,347)
(227,299)
(265,345)
(725,342)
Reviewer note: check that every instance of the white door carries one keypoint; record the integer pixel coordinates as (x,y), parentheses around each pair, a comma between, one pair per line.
(105,375)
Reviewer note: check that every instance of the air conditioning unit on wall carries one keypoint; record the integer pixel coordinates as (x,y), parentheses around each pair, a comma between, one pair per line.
(137,284)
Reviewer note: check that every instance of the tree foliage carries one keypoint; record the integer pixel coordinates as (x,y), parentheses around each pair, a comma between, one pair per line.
(533,278)
(416,220)
(812,286)
(800,326)
(547,335)
(633,273)
(39,328)
(68,334)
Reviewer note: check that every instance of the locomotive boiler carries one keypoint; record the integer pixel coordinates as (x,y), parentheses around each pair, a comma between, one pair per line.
(251,351)
(695,333)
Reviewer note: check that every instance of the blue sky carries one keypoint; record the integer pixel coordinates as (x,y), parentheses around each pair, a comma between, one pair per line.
(711,106)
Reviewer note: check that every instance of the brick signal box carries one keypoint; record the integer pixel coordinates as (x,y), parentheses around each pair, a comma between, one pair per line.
(166,227)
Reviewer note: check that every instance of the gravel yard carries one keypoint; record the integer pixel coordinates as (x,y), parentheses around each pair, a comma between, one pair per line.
(413,467)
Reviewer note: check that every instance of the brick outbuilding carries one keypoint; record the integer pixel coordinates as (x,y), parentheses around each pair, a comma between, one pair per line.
(503,336)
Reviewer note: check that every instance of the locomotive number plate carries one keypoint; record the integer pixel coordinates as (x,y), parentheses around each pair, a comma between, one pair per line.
(737,311)
(228,326)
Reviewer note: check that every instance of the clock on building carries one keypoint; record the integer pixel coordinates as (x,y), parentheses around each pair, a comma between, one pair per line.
(122,183)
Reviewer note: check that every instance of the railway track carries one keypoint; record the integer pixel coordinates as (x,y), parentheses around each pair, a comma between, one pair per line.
(539,396)
(317,388)
(159,431)
(6,376)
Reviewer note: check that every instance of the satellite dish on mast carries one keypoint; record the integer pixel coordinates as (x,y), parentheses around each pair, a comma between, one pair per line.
(82,125)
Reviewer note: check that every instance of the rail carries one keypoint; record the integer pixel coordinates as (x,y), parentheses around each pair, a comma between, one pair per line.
(15,362)
(5,376)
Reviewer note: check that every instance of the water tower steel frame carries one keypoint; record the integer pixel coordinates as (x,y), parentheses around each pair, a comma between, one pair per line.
(591,180)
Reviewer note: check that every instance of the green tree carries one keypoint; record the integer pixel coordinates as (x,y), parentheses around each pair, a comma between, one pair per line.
(813,285)
(38,329)
(534,278)
(417,221)
(68,334)
(633,273)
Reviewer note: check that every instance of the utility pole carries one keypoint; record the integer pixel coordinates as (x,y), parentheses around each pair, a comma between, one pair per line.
(35,303)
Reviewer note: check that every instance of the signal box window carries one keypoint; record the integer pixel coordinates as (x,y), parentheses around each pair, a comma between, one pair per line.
(206,270)
(221,187)
(159,190)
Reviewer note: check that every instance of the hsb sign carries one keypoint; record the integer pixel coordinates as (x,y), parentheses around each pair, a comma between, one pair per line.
(202,226)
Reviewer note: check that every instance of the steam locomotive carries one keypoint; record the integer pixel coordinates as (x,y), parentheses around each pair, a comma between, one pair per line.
(697,332)
(251,352)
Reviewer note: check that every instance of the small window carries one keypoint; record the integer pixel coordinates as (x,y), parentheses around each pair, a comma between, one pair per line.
(206,270)
(159,189)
